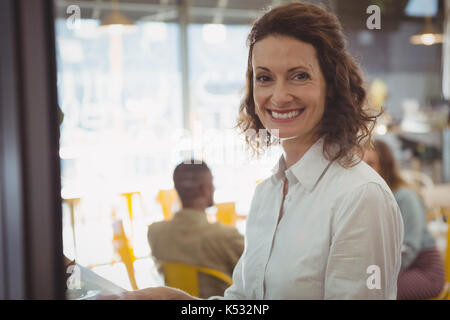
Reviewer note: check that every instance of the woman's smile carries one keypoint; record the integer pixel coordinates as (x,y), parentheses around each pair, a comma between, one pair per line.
(283,116)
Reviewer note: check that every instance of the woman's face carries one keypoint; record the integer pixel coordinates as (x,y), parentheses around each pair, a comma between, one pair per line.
(372,159)
(289,88)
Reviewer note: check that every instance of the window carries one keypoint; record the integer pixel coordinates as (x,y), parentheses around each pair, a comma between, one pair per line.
(121,98)
(122,132)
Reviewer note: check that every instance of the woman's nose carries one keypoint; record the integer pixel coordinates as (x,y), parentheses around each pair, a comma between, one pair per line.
(281,95)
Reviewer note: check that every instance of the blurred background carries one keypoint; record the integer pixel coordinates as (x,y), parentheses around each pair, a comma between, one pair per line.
(143,84)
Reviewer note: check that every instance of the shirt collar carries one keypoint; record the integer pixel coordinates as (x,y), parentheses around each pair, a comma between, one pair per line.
(307,170)
(192,215)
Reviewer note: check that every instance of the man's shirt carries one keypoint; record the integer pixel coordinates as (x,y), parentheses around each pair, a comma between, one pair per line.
(189,238)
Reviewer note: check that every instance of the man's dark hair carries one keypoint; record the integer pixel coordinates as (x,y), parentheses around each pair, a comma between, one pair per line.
(187,178)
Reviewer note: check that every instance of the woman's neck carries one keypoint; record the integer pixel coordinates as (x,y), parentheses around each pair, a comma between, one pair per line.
(295,148)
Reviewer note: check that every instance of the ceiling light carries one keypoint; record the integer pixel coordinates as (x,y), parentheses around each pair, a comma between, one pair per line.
(116,22)
(428,36)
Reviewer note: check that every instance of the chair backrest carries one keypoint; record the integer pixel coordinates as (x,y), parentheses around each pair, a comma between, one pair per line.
(185,277)
(226,213)
(168,199)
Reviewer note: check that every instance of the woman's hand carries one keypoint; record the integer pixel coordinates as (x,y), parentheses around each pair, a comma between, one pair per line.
(155,293)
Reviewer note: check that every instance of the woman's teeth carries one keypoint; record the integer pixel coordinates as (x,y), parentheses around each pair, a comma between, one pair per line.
(288,115)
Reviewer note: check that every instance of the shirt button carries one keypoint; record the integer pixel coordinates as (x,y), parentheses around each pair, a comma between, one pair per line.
(288,198)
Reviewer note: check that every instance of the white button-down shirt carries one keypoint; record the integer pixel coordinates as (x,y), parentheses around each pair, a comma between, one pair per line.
(339,237)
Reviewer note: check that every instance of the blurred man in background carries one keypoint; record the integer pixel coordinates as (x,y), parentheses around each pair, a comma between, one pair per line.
(189,238)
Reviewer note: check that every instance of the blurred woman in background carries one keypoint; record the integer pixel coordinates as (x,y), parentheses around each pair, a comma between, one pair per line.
(422,274)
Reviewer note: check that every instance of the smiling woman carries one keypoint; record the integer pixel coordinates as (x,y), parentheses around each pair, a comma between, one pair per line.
(324,225)
(288,87)
(323,220)
(297,56)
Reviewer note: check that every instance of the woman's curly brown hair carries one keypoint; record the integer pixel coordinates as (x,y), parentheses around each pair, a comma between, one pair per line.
(345,123)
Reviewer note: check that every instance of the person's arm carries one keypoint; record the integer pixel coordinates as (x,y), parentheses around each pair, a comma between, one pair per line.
(154,293)
(414,222)
(234,292)
(365,250)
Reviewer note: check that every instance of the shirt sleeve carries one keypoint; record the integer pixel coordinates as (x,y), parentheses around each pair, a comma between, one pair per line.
(414,223)
(365,250)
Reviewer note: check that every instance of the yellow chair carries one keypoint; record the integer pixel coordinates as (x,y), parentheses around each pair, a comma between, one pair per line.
(185,276)
(168,199)
(447,254)
(124,250)
(226,213)
(447,260)
(129,199)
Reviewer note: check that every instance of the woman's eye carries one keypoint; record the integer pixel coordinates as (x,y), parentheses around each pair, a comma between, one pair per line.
(301,76)
(262,78)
